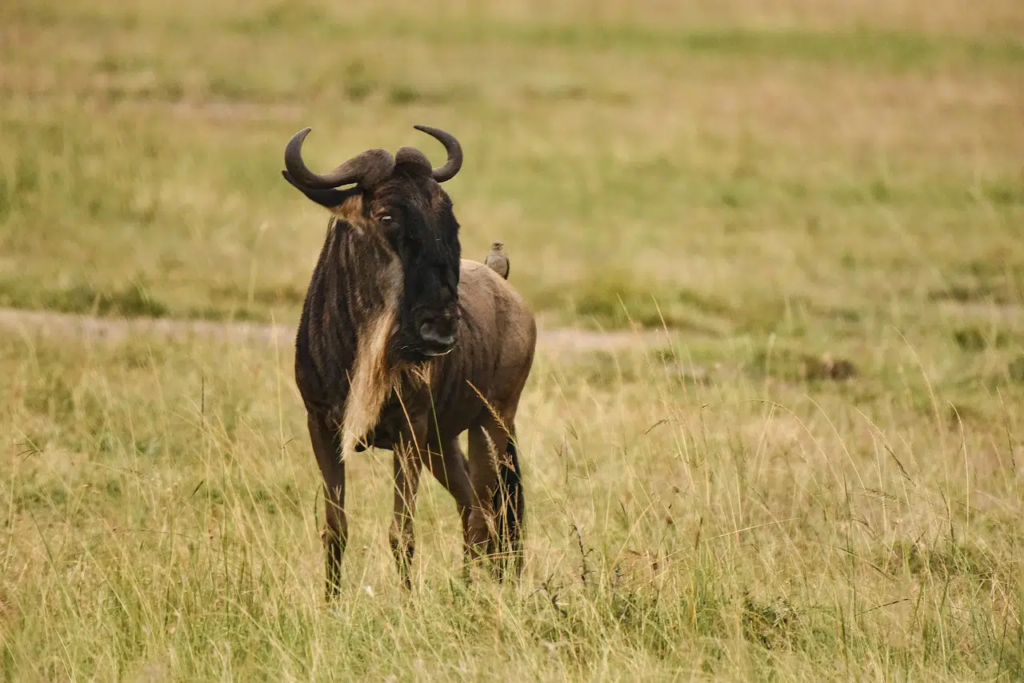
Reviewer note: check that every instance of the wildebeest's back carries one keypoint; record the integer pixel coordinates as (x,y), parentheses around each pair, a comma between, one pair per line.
(497,339)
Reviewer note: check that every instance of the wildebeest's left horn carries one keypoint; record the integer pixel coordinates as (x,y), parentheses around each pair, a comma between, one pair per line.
(454,149)
(367,169)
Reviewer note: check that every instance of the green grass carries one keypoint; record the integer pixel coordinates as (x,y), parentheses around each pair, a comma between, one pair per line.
(130,154)
(817,477)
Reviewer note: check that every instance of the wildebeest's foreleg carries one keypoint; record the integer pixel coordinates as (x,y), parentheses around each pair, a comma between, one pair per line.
(448,464)
(327,446)
(408,465)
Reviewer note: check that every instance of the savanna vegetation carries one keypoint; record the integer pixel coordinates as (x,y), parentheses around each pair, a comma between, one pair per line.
(813,472)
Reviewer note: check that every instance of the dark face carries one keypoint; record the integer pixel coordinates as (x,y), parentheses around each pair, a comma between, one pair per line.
(411,217)
(416,217)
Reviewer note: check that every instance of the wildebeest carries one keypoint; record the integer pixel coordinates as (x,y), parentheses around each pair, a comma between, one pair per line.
(404,346)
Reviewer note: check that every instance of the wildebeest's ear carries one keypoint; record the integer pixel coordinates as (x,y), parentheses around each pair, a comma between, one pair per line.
(326,198)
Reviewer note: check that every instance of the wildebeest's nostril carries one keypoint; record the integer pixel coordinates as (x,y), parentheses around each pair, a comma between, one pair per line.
(430,333)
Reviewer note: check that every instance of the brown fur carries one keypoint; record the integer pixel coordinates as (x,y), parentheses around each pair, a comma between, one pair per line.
(419,410)
(372,379)
(476,387)
(368,373)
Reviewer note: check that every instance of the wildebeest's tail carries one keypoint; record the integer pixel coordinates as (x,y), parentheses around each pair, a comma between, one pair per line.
(509,509)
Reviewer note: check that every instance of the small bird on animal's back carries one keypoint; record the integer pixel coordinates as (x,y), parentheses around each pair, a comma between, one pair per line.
(497,260)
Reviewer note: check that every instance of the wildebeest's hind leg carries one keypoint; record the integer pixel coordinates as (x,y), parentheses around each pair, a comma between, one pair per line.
(488,462)
(509,509)
(408,466)
(327,446)
(448,464)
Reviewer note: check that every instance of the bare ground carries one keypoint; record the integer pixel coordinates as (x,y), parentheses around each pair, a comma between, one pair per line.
(119,329)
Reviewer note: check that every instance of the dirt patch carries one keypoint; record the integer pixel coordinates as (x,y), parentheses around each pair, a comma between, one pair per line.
(120,329)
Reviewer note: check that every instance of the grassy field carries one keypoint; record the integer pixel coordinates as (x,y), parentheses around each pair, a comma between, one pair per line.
(816,476)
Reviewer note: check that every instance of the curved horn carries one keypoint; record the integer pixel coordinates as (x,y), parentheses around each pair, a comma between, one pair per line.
(367,169)
(454,149)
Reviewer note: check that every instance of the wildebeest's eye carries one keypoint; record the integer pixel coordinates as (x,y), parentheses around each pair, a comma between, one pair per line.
(386,218)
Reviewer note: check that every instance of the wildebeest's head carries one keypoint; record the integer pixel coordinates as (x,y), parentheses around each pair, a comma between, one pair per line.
(397,205)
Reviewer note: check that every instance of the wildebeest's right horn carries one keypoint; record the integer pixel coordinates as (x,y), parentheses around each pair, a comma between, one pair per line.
(367,169)
(454,149)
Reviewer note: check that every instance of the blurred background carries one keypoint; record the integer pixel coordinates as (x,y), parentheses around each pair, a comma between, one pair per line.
(724,167)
